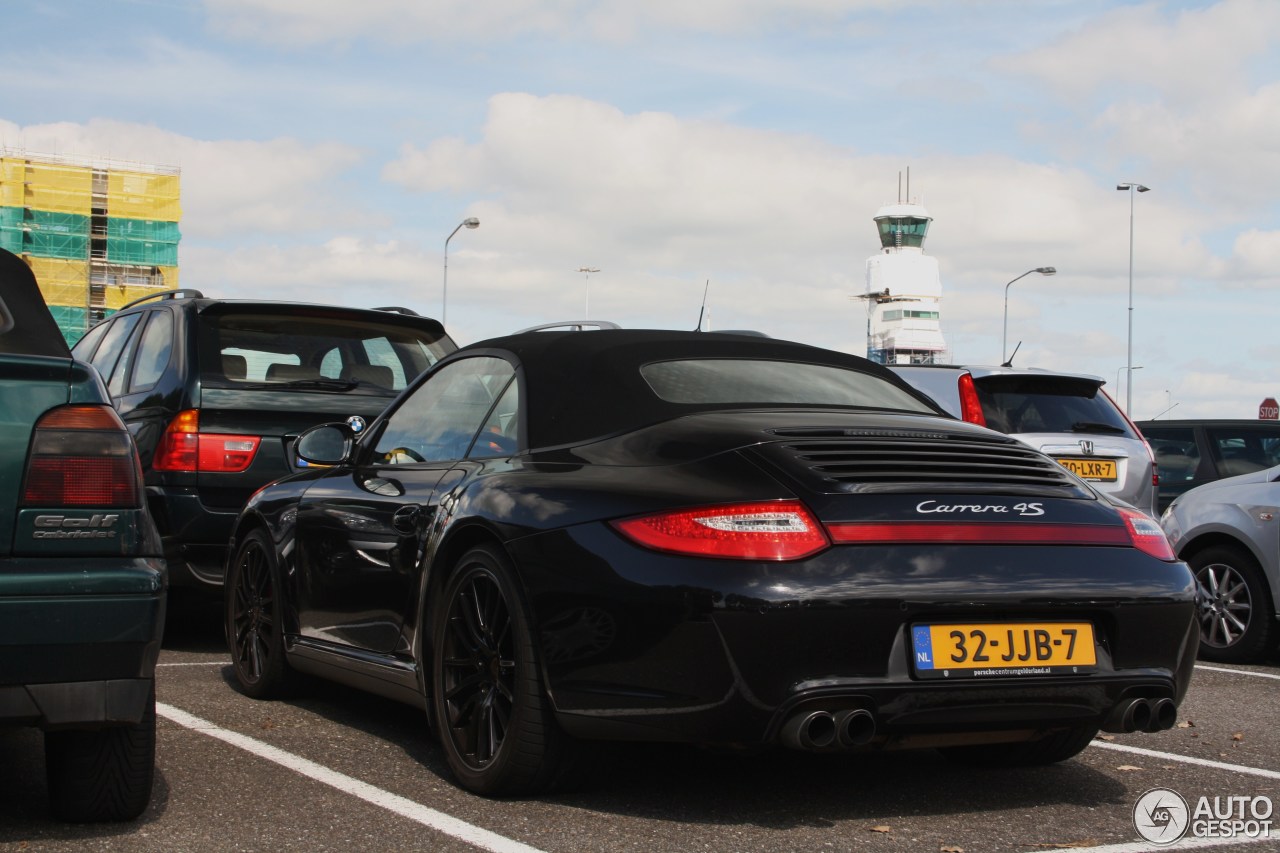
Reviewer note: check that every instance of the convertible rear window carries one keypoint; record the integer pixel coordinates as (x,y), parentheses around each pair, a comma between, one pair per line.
(723,381)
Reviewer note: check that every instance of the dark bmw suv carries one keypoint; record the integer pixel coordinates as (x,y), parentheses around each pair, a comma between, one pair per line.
(82,584)
(215,391)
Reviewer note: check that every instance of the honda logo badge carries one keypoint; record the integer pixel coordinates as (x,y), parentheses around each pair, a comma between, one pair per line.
(1086,447)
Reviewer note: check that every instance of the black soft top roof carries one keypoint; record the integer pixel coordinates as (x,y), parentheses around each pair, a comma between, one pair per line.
(588,384)
(26,326)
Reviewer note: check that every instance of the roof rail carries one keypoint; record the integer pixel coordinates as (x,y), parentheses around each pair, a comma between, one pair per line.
(398,310)
(571,325)
(171,294)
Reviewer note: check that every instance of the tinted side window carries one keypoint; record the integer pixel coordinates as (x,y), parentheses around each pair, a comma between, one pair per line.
(441,418)
(84,347)
(153,351)
(1177,454)
(1244,449)
(116,384)
(113,344)
(500,435)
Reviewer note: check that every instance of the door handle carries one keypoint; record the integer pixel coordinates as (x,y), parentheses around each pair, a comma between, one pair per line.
(405,519)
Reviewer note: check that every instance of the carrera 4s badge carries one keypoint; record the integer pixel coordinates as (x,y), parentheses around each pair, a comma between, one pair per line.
(1031,509)
(96,526)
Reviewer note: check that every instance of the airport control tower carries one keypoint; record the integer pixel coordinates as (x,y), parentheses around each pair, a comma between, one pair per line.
(904,291)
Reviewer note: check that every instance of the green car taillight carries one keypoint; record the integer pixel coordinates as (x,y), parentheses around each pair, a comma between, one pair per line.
(82,456)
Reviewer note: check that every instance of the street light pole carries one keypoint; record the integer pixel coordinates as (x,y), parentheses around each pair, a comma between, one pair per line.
(586,302)
(1120,368)
(1004,340)
(469,222)
(1130,187)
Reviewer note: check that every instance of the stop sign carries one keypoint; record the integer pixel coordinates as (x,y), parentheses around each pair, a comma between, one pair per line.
(1269,410)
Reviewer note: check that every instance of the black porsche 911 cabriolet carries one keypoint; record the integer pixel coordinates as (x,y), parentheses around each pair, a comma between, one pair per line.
(556,537)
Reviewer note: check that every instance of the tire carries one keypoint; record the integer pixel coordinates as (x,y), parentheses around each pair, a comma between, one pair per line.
(493,719)
(254,608)
(1233,605)
(102,774)
(1050,749)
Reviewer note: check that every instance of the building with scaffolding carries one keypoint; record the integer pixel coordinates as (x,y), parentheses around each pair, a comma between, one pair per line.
(96,233)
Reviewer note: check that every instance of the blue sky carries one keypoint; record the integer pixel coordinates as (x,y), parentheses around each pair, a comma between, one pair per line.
(328,148)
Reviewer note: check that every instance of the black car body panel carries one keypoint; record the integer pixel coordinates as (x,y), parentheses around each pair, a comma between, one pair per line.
(184,353)
(638,643)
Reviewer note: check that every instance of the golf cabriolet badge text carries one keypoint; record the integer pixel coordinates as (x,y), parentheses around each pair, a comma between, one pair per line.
(96,526)
(980,509)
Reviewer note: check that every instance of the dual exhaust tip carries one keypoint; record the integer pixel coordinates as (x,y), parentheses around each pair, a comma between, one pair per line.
(821,731)
(818,731)
(1142,715)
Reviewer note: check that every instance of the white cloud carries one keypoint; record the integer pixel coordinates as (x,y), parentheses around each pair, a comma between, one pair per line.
(1188,96)
(229,187)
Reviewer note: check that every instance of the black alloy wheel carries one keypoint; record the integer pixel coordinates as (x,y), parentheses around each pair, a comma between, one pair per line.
(494,722)
(254,624)
(1232,604)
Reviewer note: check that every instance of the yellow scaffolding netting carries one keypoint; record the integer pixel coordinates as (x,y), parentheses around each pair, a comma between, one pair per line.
(120,292)
(141,196)
(62,282)
(65,187)
(56,187)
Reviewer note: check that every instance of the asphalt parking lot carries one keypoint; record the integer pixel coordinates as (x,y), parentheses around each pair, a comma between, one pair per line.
(340,770)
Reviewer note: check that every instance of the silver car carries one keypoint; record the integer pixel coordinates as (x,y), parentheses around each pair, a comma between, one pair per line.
(1064,415)
(1228,532)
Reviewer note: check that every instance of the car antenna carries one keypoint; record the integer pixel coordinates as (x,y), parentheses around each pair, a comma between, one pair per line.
(1009,363)
(703,309)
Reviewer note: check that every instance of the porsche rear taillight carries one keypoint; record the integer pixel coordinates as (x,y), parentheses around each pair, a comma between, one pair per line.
(970,405)
(1147,535)
(184,448)
(986,533)
(82,456)
(776,530)
(1138,531)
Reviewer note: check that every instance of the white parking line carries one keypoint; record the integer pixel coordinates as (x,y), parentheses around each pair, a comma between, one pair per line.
(1184,844)
(1188,759)
(195,663)
(402,806)
(1238,671)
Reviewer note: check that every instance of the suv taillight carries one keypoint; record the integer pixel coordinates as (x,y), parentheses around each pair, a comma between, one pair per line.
(184,448)
(82,456)
(970,406)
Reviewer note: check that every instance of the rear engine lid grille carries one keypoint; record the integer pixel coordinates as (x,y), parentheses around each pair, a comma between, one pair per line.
(870,460)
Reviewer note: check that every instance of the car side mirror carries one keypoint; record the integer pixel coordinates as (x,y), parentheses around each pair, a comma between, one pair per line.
(326,444)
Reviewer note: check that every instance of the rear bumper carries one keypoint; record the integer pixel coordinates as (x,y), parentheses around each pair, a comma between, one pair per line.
(645,646)
(194,535)
(79,643)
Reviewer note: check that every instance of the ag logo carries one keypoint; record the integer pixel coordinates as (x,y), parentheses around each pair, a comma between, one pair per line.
(1161,816)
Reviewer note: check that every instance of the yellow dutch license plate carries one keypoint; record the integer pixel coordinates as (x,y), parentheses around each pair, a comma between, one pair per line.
(987,649)
(1091,469)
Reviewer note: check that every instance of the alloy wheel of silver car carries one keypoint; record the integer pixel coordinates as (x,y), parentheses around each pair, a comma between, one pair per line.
(1233,604)
(1225,605)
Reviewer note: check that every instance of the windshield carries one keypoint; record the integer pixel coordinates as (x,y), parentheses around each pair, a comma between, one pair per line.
(1027,404)
(319,353)
(758,382)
